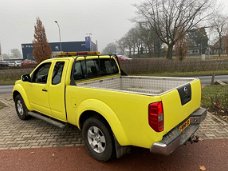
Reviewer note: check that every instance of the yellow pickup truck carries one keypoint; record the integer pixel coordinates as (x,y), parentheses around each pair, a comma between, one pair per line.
(113,110)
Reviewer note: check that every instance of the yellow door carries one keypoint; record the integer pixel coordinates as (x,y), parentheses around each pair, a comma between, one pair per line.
(38,89)
(57,90)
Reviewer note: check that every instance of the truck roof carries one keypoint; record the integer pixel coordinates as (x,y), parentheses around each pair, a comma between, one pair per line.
(80,55)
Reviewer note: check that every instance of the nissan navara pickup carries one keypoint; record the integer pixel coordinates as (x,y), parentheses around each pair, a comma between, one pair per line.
(114,111)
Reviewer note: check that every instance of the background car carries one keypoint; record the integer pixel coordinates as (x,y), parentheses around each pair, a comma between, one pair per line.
(123,58)
(3,64)
(11,63)
(17,63)
(28,63)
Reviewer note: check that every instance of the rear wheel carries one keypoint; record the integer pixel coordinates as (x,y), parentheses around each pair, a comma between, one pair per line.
(98,139)
(21,109)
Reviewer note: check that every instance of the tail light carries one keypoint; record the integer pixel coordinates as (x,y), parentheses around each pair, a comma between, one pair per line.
(156,116)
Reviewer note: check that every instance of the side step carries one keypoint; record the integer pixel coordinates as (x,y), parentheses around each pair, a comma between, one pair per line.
(47,119)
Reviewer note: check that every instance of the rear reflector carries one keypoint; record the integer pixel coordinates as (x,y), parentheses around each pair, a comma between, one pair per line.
(156,116)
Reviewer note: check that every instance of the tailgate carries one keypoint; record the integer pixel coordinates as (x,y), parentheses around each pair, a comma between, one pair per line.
(179,103)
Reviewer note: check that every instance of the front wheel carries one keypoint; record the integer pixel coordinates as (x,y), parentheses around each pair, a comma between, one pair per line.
(21,109)
(98,139)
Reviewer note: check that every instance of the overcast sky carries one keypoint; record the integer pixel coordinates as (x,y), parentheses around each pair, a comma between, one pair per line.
(107,20)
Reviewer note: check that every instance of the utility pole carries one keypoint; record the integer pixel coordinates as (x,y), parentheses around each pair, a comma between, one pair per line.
(60,42)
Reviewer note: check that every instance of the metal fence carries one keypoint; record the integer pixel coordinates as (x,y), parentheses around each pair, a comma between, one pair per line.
(13,73)
(150,65)
(143,66)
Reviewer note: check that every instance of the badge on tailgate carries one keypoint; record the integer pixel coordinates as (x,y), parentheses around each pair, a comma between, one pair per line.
(185,93)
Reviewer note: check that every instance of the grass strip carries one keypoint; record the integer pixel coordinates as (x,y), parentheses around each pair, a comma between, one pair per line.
(215,98)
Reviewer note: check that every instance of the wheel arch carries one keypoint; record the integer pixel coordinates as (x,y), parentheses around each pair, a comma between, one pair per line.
(15,93)
(90,113)
(18,90)
(96,108)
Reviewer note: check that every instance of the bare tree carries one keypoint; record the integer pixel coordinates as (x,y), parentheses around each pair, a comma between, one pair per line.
(140,40)
(135,34)
(121,45)
(15,53)
(172,19)
(219,24)
(198,39)
(127,42)
(5,56)
(41,48)
(181,48)
(111,48)
(135,37)
(226,44)
(147,37)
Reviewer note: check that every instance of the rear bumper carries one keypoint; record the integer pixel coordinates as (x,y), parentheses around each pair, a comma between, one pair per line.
(175,138)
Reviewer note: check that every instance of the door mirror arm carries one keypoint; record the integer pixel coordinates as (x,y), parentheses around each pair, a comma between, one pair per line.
(26,78)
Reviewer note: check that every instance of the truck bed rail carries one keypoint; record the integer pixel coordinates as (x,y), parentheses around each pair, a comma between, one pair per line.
(139,84)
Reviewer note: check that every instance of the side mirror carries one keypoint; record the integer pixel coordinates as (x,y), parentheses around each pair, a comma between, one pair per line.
(26,78)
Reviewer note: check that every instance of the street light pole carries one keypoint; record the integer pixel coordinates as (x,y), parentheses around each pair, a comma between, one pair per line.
(60,43)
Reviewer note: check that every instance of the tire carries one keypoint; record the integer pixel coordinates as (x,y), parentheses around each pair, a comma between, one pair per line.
(98,139)
(21,109)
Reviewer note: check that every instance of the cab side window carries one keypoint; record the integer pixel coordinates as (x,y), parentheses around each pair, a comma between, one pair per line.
(57,73)
(79,70)
(92,68)
(40,75)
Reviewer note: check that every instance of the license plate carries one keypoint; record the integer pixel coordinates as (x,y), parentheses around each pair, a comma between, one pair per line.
(184,125)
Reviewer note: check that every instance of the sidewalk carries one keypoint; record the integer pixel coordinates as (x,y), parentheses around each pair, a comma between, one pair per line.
(209,154)
(34,133)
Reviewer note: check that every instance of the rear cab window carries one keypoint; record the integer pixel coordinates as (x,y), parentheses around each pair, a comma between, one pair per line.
(57,72)
(93,68)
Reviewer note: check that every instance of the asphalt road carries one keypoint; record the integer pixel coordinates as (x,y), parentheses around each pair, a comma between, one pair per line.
(204,155)
(204,79)
(6,89)
(207,79)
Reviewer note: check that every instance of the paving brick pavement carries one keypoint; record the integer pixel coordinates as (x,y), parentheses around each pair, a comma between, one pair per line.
(18,134)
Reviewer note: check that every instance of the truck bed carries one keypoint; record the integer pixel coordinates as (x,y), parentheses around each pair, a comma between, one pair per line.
(138,84)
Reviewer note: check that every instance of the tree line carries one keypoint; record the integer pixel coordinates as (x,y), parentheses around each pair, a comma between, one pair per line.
(163,27)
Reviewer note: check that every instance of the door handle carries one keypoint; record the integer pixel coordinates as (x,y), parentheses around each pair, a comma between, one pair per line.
(45,90)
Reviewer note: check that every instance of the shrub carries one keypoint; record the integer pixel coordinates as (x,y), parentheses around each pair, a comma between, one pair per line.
(215,98)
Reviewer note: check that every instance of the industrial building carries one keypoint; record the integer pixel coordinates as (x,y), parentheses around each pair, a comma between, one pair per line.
(73,46)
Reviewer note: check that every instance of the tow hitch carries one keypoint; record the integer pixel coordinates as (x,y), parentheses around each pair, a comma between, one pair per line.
(193,139)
